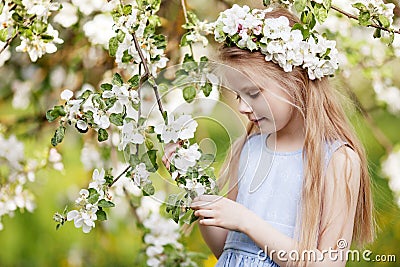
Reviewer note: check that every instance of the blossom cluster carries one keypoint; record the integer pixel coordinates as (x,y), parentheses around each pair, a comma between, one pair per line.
(13,192)
(90,203)
(376,8)
(162,237)
(116,104)
(30,20)
(140,21)
(191,170)
(273,37)
(197,30)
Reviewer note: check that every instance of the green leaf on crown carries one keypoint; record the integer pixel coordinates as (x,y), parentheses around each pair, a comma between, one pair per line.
(300,5)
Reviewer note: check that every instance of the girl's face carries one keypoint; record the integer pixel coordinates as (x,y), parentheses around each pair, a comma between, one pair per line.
(268,107)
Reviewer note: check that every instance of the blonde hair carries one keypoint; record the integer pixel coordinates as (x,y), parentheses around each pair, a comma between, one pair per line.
(324,121)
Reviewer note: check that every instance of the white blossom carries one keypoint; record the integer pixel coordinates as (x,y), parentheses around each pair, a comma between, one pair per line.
(99,30)
(67,16)
(186,158)
(87,7)
(140,175)
(84,218)
(182,128)
(98,181)
(391,169)
(36,47)
(130,134)
(40,8)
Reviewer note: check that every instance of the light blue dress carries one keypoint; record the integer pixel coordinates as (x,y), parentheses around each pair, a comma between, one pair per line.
(270,185)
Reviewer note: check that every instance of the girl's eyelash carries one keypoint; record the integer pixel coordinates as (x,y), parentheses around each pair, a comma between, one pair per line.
(254,95)
(237,96)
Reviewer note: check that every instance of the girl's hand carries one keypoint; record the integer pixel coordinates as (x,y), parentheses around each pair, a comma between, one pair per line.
(169,150)
(222,212)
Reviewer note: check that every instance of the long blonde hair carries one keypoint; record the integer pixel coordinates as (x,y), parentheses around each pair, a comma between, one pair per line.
(324,121)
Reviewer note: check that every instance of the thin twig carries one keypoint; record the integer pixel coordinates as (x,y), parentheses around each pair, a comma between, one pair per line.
(184,10)
(147,73)
(351,16)
(8,42)
(119,176)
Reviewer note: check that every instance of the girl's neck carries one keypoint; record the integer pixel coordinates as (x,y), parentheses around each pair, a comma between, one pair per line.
(290,138)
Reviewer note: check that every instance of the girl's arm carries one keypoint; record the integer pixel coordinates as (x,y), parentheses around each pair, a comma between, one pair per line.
(337,216)
(214,236)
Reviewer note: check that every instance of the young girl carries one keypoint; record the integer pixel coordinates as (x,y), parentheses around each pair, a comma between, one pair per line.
(298,181)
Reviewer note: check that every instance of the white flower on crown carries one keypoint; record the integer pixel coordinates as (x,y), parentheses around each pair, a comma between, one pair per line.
(275,38)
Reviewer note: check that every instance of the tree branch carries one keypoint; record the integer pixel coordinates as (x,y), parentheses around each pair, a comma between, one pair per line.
(351,16)
(147,73)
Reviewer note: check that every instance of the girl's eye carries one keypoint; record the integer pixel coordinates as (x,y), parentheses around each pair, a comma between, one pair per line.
(254,95)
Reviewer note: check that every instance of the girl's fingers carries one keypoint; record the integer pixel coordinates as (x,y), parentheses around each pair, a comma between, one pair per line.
(208,222)
(204,213)
(200,205)
(169,150)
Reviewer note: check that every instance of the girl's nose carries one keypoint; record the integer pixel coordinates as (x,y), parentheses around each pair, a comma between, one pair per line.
(244,108)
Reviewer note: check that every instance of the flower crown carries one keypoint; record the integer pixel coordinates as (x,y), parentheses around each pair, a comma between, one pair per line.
(249,29)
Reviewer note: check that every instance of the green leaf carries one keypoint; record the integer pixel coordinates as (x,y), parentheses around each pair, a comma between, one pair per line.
(116,119)
(105,204)
(189,63)
(149,143)
(134,160)
(184,41)
(102,135)
(148,189)
(300,5)
(360,7)
(207,88)
(117,79)
(165,117)
(321,14)
(58,135)
(113,46)
(189,93)
(364,18)
(127,10)
(3,34)
(327,4)
(187,217)
(54,113)
(134,80)
(93,196)
(126,57)
(106,87)
(101,215)
(150,160)
(377,33)
(266,2)
(384,21)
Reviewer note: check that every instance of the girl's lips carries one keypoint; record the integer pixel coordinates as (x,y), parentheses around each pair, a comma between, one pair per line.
(258,121)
